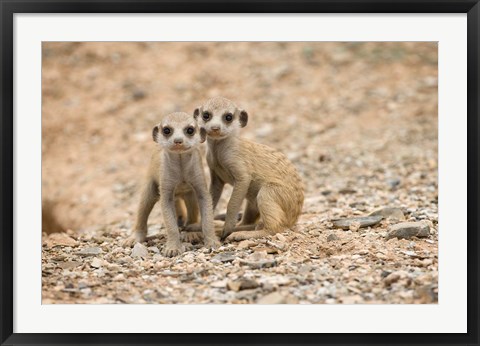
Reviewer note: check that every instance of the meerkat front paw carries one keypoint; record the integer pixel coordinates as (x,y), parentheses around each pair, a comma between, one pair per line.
(173,249)
(135,237)
(212,243)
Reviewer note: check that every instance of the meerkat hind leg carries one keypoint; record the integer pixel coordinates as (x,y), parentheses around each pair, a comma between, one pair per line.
(193,212)
(193,226)
(251,214)
(271,213)
(181,211)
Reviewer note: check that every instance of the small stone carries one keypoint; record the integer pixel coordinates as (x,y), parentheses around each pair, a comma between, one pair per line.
(406,230)
(153,249)
(385,273)
(393,182)
(138,94)
(224,257)
(96,263)
(394,277)
(119,277)
(242,284)
(354,226)
(332,237)
(347,191)
(276,280)
(245,244)
(268,250)
(219,284)
(388,212)
(139,250)
(259,260)
(90,251)
(69,265)
(364,221)
(259,264)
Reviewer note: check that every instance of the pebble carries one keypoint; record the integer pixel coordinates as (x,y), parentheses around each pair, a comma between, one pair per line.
(259,260)
(224,257)
(394,277)
(153,249)
(90,251)
(332,237)
(406,230)
(69,265)
(139,250)
(388,212)
(245,244)
(242,284)
(364,221)
(96,263)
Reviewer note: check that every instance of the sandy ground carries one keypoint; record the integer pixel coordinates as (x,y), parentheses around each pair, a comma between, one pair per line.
(358,120)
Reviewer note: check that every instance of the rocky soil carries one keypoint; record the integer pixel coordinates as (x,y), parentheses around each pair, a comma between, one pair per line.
(359,121)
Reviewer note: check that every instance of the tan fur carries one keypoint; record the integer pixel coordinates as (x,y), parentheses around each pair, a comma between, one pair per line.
(176,179)
(261,175)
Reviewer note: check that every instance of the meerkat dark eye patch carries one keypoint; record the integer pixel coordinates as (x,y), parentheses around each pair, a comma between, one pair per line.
(167,131)
(190,130)
(196,113)
(206,116)
(228,117)
(243,118)
(203,134)
(155,133)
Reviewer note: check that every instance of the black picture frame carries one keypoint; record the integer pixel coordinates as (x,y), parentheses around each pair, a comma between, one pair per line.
(9,8)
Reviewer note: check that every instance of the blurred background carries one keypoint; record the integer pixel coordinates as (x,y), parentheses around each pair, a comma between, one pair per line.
(359,120)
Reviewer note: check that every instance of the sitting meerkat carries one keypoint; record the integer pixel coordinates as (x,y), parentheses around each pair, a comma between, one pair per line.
(261,175)
(176,173)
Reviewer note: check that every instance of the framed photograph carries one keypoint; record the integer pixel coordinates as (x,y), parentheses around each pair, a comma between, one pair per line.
(289,173)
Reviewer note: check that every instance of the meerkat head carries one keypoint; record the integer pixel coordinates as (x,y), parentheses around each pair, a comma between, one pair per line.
(220,118)
(178,132)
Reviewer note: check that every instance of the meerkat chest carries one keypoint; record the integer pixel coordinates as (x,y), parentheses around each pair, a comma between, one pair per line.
(220,166)
(178,171)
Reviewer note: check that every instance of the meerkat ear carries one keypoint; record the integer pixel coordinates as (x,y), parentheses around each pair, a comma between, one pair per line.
(155,133)
(196,112)
(203,134)
(243,118)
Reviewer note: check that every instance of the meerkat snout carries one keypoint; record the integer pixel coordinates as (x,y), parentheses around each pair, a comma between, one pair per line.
(220,118)
(178,132)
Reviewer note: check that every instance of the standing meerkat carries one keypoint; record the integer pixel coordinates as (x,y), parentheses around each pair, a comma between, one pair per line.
(261,175)
(175,172)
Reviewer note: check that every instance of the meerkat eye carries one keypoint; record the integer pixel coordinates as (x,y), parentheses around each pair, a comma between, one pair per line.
(190,130)
(166,131)
(229,117)
(205,116)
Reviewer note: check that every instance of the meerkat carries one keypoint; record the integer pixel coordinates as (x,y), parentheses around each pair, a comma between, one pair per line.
(175,174)
(263,176)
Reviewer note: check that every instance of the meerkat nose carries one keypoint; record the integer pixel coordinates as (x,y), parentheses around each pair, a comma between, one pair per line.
(178,141)
(215,128)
